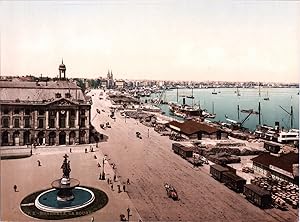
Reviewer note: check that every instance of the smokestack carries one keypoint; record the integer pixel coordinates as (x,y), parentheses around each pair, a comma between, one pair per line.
(277,126)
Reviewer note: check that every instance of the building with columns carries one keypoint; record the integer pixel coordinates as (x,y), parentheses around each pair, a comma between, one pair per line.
(45,113)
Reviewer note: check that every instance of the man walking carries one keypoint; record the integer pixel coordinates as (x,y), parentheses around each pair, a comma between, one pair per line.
(15,188)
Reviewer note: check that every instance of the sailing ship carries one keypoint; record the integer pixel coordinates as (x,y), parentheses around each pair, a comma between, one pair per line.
(192,96)
(267,97)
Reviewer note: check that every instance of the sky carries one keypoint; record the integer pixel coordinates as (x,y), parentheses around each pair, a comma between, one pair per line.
(161,40)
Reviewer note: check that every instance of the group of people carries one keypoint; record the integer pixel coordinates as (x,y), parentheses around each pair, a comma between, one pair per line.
(109,181)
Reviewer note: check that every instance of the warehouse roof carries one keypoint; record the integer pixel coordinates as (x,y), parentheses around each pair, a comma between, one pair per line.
(284,162)
(190,127)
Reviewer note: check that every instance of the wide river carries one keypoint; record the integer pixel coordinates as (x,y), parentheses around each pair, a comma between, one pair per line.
(226,101)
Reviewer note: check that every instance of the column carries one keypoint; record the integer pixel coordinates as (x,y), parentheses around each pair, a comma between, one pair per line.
(67,138)
(21,138)
(57,119)
(47,137)
(35,119)
(10,139)
(87,138)
(57,138)
(67,119)
(77,118)
(47,119)
(87,117)
(11,119)
(22,119)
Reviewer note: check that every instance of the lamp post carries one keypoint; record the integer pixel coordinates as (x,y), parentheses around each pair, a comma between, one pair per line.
(128,214)
(103,174)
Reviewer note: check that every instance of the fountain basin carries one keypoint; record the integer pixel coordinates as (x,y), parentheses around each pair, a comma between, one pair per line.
(47,200)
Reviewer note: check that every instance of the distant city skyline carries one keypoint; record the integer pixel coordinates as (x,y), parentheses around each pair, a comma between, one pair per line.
(160,40)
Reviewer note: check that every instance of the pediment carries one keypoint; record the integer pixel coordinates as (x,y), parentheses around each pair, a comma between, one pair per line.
(62,102)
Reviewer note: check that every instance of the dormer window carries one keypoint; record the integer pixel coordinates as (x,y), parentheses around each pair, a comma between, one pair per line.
(68,95)
(57,95)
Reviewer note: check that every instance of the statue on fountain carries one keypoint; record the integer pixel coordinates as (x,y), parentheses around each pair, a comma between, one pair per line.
(65,185)
(66,167)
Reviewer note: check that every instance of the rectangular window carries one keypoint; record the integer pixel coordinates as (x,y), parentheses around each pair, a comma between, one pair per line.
(72,122)
(82,122)
(72,113)
(52,123)
(17,123)
(16,111)
(27,122)
(41,123)
(82,111)
(62,123)
(5,111)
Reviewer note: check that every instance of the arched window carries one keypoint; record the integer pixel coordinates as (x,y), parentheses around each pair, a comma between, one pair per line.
(5,122)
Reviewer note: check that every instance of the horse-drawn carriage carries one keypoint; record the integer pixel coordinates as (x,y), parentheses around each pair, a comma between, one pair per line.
(138,135)
(171,191)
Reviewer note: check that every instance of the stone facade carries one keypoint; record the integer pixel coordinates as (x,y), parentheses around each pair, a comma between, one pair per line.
(45,113)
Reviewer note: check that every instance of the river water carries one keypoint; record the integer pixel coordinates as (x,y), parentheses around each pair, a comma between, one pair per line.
(225,102)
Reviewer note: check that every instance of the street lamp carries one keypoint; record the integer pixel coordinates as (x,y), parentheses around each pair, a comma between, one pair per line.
(103,174)
(128,214)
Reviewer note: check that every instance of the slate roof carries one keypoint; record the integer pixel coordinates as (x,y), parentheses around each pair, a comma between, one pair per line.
(190,127)
(31,92)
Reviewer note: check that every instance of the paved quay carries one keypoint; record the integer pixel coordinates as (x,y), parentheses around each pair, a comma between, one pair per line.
(150,162)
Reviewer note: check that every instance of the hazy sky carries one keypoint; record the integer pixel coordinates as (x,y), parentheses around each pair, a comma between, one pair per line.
(180,40)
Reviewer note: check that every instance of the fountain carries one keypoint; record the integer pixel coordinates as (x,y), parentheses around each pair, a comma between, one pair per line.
(66,194)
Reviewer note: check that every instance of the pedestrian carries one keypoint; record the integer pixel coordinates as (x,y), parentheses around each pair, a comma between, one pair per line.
(99,165)
(112,187)
(115,177)
(95,156)
(128,181)
(107,180)
(15,188)
(39,163)
(70,150)
(92,219)
(119,189)
(85,150)
(90,148)
(124,188)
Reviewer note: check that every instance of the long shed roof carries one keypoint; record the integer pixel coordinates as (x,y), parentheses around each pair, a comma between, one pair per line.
(190,127)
